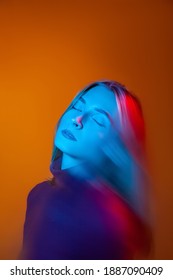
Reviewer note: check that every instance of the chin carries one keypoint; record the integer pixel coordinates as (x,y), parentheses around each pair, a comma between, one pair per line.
(63,148)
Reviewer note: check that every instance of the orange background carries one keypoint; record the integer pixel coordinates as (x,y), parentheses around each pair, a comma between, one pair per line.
(49,50)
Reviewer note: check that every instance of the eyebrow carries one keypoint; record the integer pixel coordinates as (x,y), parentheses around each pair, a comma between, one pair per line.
(100,110)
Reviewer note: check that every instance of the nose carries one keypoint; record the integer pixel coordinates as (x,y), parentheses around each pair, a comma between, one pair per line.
(77,122)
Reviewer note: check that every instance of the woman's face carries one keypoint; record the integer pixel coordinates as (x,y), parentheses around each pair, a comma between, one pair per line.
(89,123)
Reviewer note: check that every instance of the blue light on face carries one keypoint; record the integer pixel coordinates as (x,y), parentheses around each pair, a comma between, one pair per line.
(89,121)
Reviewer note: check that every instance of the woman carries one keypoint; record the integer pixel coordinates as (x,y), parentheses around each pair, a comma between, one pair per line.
(96,204)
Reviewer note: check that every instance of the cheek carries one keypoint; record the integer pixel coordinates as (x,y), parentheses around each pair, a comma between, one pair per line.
(63,121)
(101,135)
(93,140)
(66,118)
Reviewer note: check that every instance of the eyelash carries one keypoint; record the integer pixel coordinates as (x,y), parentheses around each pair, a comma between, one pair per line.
(98,123)
(76,109)
(92,118)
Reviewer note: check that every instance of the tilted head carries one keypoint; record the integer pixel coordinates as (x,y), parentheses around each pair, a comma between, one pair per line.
(104,126)
(103,112)
(89,121)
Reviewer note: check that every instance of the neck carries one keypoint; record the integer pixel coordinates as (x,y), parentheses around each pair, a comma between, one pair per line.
(77,167)
(69,162)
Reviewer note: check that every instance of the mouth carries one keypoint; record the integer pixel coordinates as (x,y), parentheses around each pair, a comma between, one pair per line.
(67,133)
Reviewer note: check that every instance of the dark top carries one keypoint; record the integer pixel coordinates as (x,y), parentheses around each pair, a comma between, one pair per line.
(71,220)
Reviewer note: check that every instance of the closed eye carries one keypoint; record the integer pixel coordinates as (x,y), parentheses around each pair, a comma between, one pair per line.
(98,122)
(76,109)
(73,107)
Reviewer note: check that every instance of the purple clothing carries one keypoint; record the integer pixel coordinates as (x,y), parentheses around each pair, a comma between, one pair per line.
(71,220)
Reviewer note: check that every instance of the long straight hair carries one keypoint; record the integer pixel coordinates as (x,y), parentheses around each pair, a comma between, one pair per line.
(125,169)
(132,126)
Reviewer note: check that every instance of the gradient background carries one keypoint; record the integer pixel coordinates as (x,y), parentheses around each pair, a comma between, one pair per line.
(49,50)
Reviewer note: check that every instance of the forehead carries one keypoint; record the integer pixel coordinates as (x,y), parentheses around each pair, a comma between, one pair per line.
(102,97)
